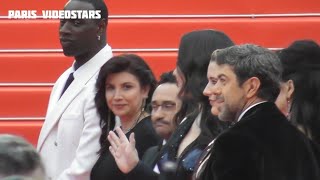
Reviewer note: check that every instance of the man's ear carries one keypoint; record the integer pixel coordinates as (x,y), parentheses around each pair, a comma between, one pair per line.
(290,89)
(251,86)
(101,27)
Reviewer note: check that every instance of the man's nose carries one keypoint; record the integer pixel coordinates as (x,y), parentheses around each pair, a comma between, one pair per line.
(65,28)
(212,89)
(206,90)
(157,113)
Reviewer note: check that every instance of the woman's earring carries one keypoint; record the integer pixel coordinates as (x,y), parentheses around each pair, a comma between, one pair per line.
(109,119)
(98,37)
(143,105)
(288,109)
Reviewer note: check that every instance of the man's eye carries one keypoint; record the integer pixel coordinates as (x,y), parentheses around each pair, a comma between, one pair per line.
(62,22)
(77,22)
(154,106)
(213,82)
(168,106)
(222,80)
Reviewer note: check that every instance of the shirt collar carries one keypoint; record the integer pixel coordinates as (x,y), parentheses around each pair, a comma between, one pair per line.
(250,107)
(92,62)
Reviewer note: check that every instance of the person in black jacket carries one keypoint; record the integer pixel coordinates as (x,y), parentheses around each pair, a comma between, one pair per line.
(261,144)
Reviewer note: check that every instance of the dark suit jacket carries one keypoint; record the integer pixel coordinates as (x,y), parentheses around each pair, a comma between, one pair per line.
(150,156)
(263,145)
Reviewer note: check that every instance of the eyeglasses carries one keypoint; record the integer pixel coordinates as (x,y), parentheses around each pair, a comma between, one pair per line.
(165,106)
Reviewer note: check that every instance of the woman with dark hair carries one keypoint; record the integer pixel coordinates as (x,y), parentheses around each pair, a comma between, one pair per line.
(124,88)
(197,127)
(299,97)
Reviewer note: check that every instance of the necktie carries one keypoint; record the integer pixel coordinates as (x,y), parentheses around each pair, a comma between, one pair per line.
(68,82)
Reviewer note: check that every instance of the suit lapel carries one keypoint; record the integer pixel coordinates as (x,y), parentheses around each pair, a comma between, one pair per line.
(81,77)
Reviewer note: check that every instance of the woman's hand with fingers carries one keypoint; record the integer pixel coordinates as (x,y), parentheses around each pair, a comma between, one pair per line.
(123,150)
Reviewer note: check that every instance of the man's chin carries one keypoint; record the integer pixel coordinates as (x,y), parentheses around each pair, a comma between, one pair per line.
(215,111)
(69,54)
(68,51)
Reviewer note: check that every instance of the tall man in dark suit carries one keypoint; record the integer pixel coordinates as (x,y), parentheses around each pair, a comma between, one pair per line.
(262,144)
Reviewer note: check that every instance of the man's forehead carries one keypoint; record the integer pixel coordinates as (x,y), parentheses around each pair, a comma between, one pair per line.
(163,96)
(215,69)
(166,89)
(165,93)
(78,5)
(162,101)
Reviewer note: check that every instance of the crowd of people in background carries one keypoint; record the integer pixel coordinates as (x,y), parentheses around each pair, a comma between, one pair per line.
(225,112)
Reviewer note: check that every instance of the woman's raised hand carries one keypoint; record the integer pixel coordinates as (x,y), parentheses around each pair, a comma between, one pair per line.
(123,150)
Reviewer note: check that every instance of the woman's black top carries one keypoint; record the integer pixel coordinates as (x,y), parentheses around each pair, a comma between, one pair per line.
(106,167)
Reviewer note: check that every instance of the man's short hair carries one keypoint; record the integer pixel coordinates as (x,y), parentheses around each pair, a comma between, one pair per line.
(99,5)
(167,77)
(17,156)
(250,60)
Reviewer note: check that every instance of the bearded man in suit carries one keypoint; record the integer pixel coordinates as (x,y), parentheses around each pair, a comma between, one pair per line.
(261,144)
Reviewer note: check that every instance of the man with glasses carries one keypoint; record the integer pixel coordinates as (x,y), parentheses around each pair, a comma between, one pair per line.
(165,104)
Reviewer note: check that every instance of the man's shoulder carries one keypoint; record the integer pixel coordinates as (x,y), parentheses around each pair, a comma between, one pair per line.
(152,150)
(235,136)
(150,155)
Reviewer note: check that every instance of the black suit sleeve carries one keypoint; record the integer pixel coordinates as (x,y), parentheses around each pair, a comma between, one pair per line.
(233,157)
(149,157)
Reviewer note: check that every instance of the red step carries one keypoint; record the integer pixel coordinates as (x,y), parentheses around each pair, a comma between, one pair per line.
(30,129)
(165,33)
(47,67)
(24,101)
(129,7)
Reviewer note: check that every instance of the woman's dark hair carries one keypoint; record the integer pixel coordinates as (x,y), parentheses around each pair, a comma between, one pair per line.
(194,57)
(301,64)
(132,64)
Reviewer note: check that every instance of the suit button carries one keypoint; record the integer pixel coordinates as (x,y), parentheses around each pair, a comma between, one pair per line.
(55,143)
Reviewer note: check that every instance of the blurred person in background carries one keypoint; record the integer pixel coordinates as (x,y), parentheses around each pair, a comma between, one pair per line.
(18,158)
